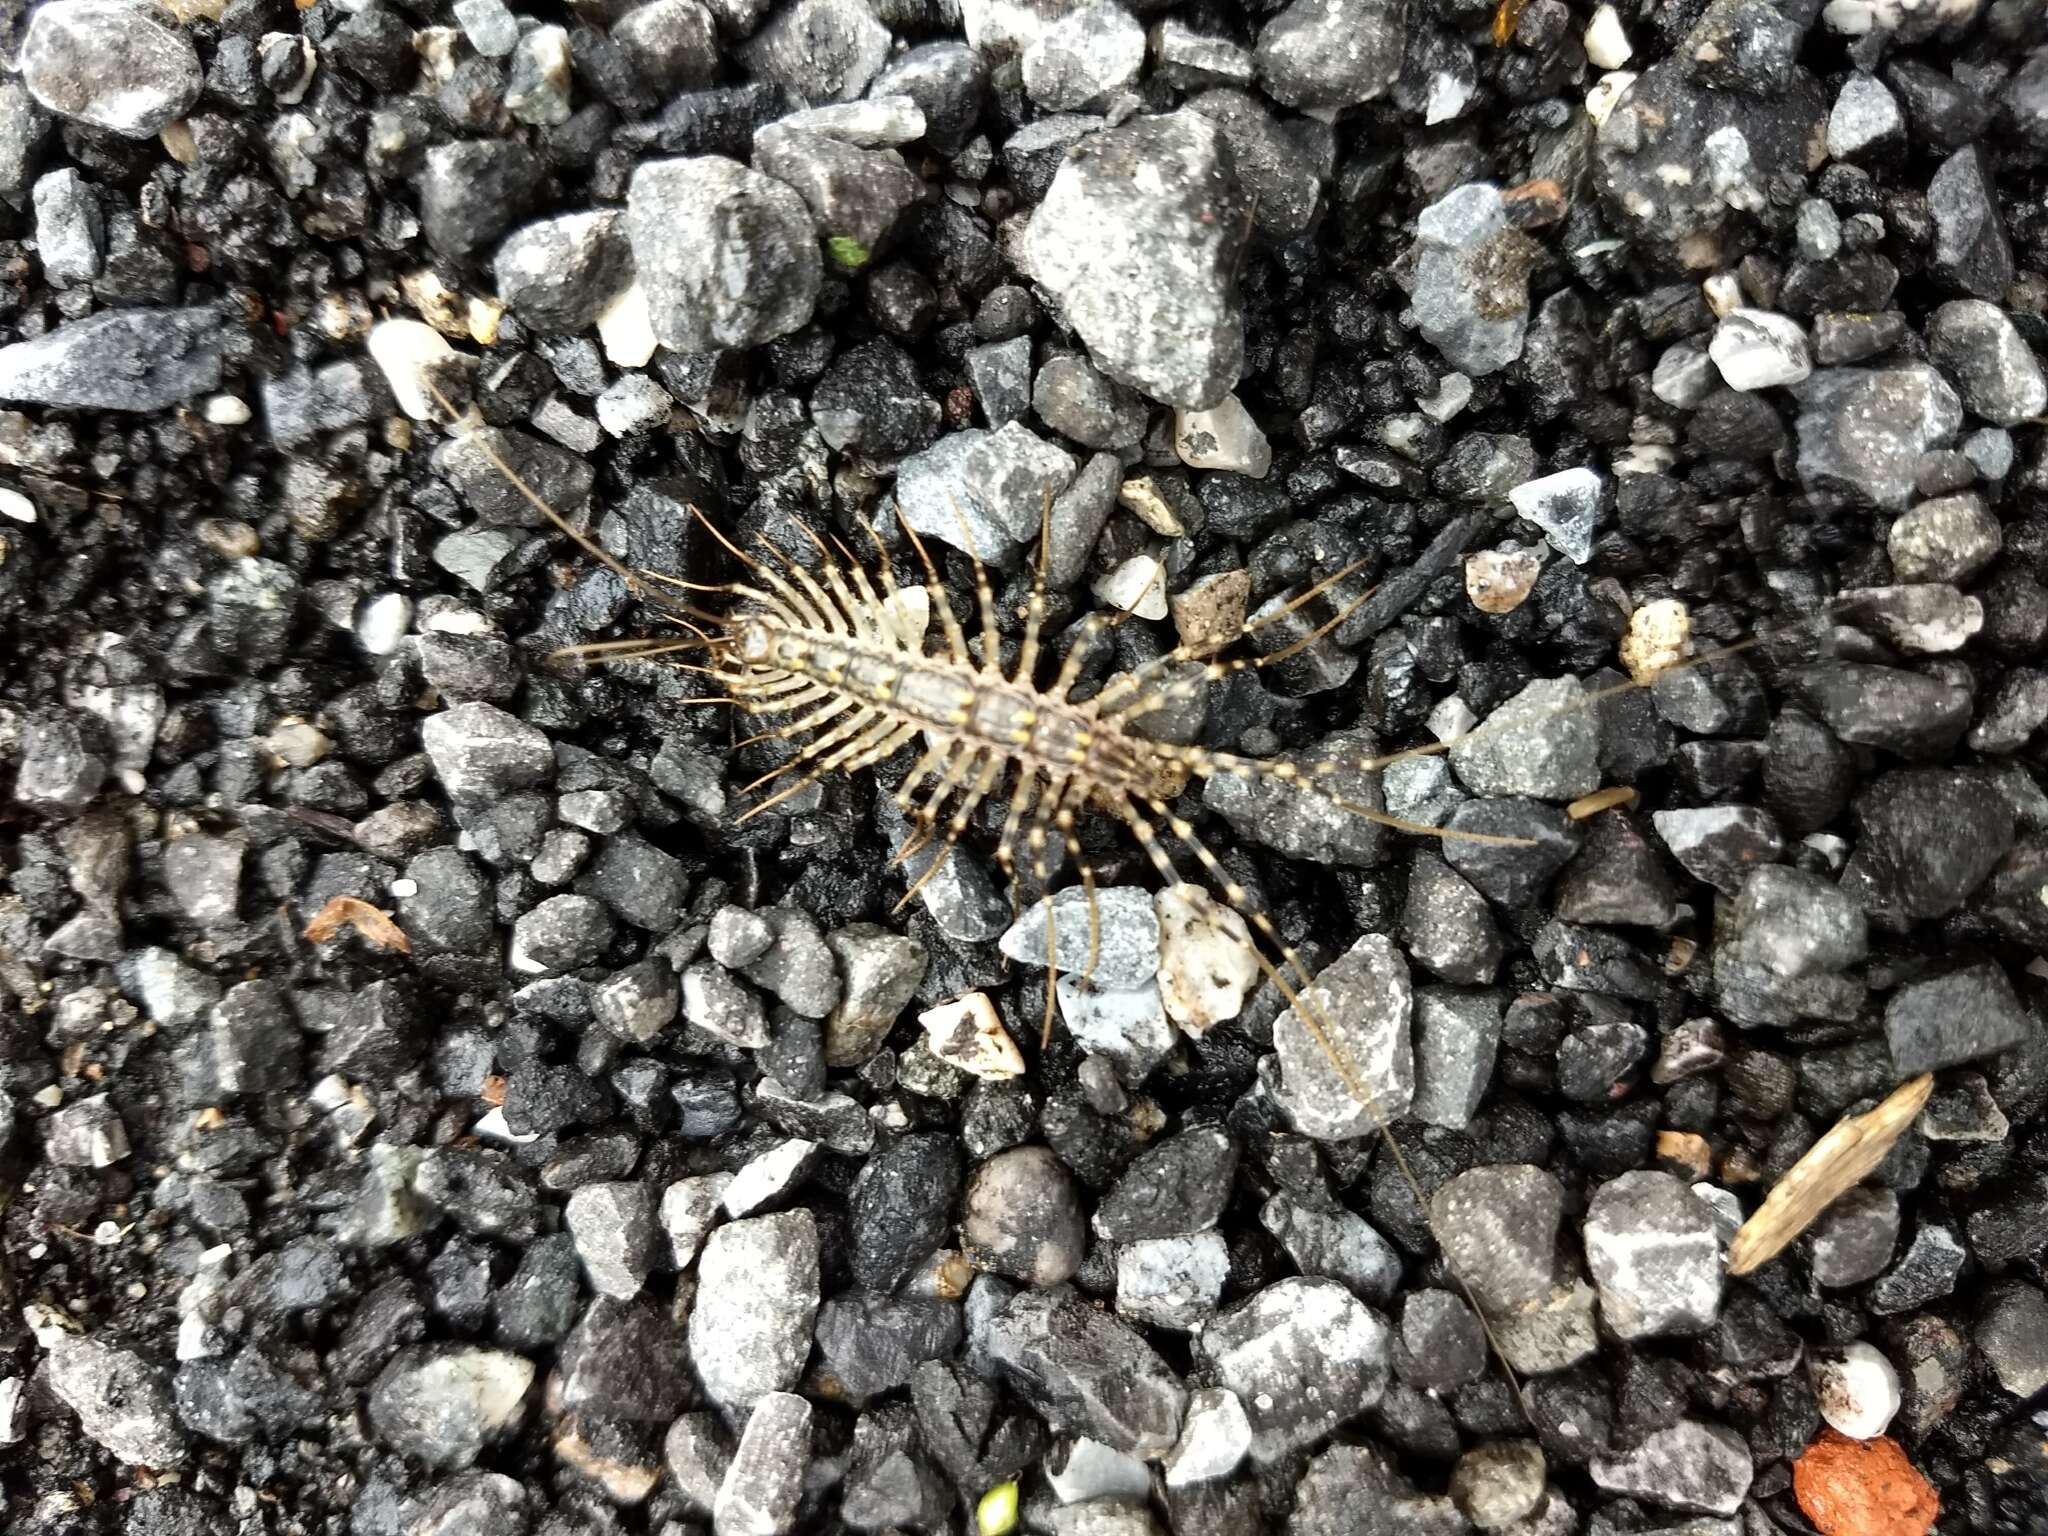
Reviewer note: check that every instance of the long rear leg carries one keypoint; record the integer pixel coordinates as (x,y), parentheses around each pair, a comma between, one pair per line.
(1294,985)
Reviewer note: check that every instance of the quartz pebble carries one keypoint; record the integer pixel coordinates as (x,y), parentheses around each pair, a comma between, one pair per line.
(1857,1389)
(1607,44)
(1566,506)
(1214,1440)
(1124,933)
(1755,349)
(1222,437)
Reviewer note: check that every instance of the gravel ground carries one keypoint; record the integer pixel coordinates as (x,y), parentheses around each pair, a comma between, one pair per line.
(429,1107)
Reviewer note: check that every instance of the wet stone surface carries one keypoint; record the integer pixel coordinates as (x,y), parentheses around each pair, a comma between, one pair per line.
(1482,599)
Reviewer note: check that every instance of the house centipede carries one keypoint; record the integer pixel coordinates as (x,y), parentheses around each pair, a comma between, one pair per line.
(840,653)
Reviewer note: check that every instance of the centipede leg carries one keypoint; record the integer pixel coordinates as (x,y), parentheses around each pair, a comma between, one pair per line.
(960,765)
(1034,608)
(935,593)
(984,596)
(1295,988)
(1085,636)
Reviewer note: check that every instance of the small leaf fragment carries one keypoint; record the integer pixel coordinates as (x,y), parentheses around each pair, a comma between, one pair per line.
(372,923)
(847,252)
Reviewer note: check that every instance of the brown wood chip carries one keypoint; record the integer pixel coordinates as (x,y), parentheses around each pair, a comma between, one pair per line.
(353,912)
(1834,1165)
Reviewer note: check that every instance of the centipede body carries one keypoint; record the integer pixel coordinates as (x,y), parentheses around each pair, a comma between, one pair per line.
(840,657)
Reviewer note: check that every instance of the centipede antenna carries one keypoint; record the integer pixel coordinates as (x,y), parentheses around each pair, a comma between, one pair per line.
(596,551)
(750,561)
(627,650)
(666,580)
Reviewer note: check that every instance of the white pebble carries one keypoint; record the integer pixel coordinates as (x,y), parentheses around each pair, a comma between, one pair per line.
(1215,1438)
(493,1127)
(768,1176)
(1566,506)
(1222,437)
(405,350)
(13,1411)
(457,621)
(383,622)
(1755,349)
(16,506)
(1138,587)
(1858,1390)
(1453,394)
(1092,1470)
(227,410)
(1451,718)
(1448,96)
(1684,375)
(1723,293)
(1606,94)
(633,403)
(1643,459)
(1607,45)
(966,1033)
(627,328)
(1206,963)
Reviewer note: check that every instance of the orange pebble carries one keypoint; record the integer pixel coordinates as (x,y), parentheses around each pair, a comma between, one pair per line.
(1863,1488)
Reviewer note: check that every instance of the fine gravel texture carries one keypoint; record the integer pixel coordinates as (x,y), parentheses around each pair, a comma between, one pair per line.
(432,1105)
